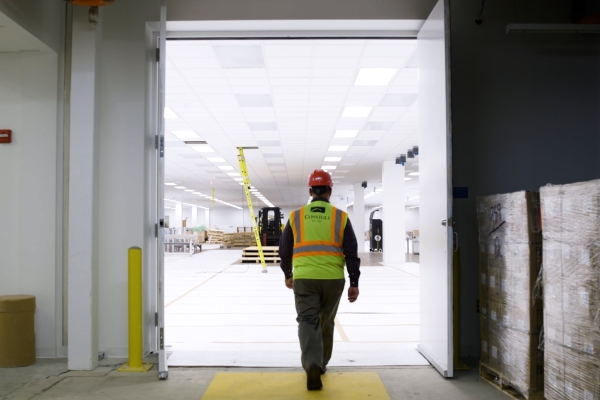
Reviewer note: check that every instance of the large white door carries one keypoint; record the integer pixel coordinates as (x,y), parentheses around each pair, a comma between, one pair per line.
(435,193)
(163,368)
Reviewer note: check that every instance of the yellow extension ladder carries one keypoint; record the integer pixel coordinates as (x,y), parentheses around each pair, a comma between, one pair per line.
(244,171)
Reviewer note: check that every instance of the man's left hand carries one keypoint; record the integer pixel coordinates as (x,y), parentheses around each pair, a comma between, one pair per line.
(289,283)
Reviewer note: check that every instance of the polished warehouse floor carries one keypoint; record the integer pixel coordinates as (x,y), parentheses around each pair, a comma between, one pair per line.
(223,313)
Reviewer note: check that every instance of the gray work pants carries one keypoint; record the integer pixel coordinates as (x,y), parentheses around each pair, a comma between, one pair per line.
(317,302)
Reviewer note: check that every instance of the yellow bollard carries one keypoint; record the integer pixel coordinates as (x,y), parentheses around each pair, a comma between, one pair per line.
(135,363)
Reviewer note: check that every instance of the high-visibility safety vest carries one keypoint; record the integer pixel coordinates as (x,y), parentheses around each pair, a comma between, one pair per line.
(318,230)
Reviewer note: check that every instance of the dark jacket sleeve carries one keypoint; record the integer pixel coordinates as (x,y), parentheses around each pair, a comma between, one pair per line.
(286,250)
(350,248)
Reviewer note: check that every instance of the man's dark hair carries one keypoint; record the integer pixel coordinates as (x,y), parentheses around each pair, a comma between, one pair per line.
(318,190)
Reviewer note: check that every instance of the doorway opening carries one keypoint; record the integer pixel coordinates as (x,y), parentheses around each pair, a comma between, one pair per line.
(343,105)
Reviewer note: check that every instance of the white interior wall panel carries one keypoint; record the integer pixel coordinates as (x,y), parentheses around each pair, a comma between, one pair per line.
(28,106)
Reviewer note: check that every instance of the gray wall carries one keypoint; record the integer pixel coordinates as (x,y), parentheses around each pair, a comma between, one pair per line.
(525,112)
(208,10)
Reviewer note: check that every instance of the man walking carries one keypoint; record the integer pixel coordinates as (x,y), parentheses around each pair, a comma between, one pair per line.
(318,241)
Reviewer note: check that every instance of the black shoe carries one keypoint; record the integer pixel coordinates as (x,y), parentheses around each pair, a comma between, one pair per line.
(313,379)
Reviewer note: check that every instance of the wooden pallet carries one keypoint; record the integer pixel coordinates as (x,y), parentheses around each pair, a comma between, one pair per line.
(268,260)
(498,381)
(271,254)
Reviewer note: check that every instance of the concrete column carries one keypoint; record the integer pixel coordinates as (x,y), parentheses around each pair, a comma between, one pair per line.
(83,183)
(178,215)
(394,203)
(358,216)
(194,216)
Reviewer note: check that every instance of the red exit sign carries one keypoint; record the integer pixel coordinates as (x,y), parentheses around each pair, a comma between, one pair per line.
(5,136)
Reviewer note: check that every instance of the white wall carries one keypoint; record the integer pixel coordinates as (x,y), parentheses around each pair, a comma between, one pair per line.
(122,152)
(28,169)
(412,219)
(41,18)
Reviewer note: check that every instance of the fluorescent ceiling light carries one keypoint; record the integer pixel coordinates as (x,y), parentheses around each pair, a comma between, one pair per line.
(345,133)
(407,179)
(356,112)
(233,174)
(170,184)
(375,76)
(216,159)
(188,190)
(197,193)
(253,190)
(239,179)
(203,148)
(225,167)
(185,134)
(328,167)
(254,100)
(179,187)
(337,148)
(414,174)
(333,158)
(240,56)
(169,114)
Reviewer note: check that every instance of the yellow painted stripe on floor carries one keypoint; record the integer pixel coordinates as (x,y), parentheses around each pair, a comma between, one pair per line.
(292,386)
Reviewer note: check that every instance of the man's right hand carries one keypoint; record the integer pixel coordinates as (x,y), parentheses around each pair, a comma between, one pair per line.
(352,294)
(289,283)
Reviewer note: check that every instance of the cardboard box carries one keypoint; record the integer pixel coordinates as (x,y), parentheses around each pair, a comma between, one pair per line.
(17,331)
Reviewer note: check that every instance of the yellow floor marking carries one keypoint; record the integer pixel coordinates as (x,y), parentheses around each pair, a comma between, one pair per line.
(341,330)
(292,386)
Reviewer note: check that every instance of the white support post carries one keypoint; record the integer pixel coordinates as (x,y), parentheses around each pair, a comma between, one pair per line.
(394,210)
(178,215)
(83,182)
(358,216)
(194,216)
(207,219)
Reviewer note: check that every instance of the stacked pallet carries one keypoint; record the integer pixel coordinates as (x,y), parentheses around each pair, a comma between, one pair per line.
(510,256)
(243,239)
(245,229)
(271,254)
(571,220)
(215,236)
(228,239)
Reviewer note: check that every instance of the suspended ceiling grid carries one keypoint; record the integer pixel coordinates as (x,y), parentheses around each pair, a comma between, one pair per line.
(287,97)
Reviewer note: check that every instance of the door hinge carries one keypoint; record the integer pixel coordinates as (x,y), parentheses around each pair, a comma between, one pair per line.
(161,339)
(156,142)
(157,55)
(155,319)
(155,230)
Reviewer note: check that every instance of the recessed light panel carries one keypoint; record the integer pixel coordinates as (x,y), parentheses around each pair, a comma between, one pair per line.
(254,100)
(225,168)
(333,158)
(345,133)
(240,56)
(326,167)
(268,143)
(414,174)
(262,126)
(378,125)
(185,134)
(170,184)
(364,143)
(398,100)
(375,76)
(216,159)
(356,112)
(169,114)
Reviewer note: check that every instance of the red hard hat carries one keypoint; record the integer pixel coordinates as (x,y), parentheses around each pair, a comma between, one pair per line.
(319,177)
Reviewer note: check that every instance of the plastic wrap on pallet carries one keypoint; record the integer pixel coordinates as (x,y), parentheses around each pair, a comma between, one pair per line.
(571,221)
(511,317)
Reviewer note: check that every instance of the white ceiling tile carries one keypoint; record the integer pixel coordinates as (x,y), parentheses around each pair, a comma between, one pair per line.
(289,72)
(289,62)
(387,113)
(290,81)
(383,62)
(414,89)
(180,97)
(201,73)
(406,81)
(291,89)
(193,63)
(207,82)
(235,82)
(246,73)
(329,89)
(245,56)
(288,50)
(337,50)
(331,81)
(213,89)
(389,50)
(335,62)
(173,82)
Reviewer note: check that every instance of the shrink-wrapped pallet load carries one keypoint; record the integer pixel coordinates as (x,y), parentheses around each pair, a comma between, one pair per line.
(510,257)
(571,221)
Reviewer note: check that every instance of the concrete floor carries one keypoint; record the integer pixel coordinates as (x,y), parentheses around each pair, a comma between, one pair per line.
(50,379)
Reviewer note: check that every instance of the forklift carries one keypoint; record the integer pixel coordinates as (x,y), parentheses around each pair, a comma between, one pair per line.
(269,225)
